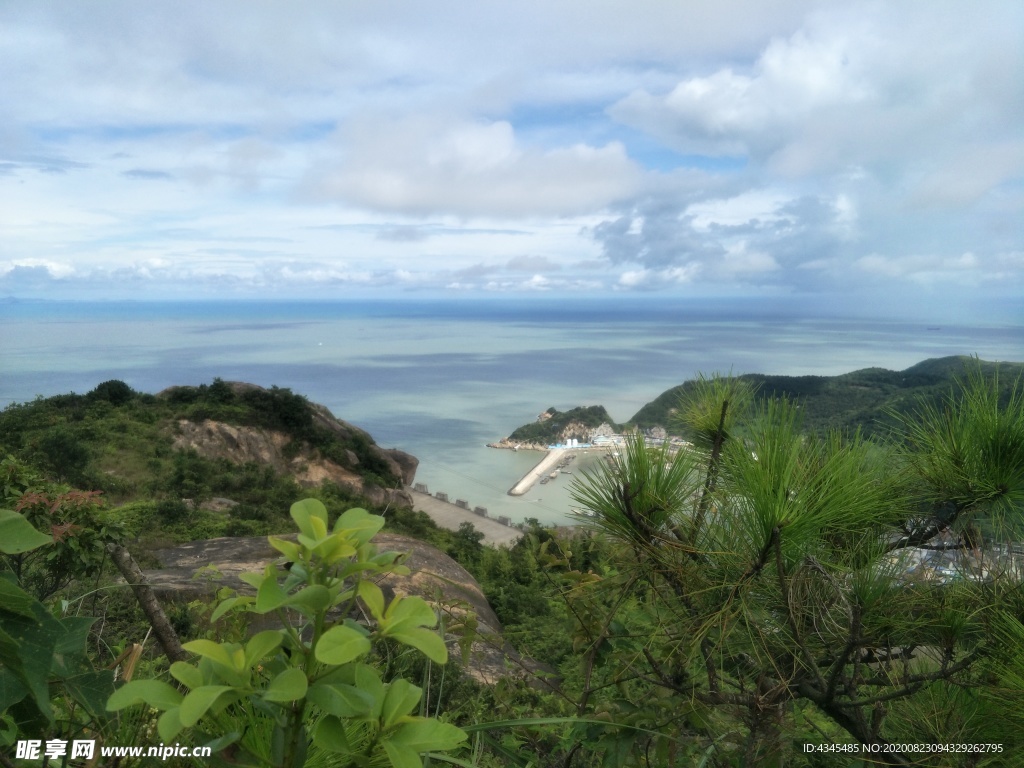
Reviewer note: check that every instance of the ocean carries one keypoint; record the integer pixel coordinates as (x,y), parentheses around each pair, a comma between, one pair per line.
(441,379)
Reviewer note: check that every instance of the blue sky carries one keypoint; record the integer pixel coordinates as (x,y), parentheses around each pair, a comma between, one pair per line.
(870,154)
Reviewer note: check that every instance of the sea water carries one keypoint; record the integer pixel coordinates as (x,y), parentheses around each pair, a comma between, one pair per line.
(441,379)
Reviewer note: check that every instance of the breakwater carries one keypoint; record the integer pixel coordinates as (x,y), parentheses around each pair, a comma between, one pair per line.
(543,467)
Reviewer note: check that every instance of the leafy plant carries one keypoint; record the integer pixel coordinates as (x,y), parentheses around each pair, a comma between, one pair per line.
(310,684)
(47,682)
(74,519)
(765,592)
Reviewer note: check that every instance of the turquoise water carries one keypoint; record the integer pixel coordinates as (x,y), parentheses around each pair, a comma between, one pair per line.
(440,380)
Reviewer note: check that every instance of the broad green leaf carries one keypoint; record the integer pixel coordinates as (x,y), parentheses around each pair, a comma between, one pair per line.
(76,634)
(26,649)
(373,597)
(215,672)
(186,674)
(401,756)
(212,651)
(287,686)
(319,527)
(426,735)
(340,645)
(426,641)
(315,597)
(310,542)
(91,690)
(12,690)
(199,701)
(360,524)
(261,644)
(399,700)
(169,725)
(17,534)
(330,735)
(408,612)
(340,699)
(270,596)
(14,599)
(8,729)
(254,580)
(289,549)
(305,511)
(367,679)
(333,548)
(229,603)
(154,693)
(223,741)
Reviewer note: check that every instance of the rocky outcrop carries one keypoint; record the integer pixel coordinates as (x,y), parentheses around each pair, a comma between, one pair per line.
(272,445)
(554,426)
(402,464)
(575,430)
(199,568)
(516,445)
(240,445)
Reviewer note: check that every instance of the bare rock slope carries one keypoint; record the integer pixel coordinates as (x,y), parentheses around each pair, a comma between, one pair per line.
(243,444)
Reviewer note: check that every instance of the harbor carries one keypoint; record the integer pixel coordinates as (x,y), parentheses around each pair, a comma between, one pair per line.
(555,462)
(543,468)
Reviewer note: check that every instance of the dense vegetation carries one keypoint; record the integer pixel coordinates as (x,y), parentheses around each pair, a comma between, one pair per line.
(868,399)
(774,587)
(550,427)
(120,442)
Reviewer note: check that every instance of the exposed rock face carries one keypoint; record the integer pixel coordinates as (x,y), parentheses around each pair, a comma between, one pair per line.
(239,445)
(401,463)
(199,568)
(242,444)
(509,443)
(575,430)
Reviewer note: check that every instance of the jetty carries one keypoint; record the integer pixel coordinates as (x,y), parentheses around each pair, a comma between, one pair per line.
(551,459)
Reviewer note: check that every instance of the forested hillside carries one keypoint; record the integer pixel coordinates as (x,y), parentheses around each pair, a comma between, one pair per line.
(555,426)
(192,445)
(866,399)
(722,606)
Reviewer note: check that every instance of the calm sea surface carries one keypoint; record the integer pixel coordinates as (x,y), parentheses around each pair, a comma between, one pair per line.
(440,380)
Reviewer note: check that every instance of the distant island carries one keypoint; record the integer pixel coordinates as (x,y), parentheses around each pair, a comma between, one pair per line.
(862,400)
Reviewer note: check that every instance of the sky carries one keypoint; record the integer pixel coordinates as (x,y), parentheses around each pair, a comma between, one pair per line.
(855,153)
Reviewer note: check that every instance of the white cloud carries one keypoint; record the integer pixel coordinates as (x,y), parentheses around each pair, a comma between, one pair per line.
(427,165)
(864,84)
(800,145)
(655,279)
(973,171)
(54,269)
(924,267)
(760,206)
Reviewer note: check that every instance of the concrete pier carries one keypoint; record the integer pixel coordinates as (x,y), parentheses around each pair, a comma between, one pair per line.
(548,463)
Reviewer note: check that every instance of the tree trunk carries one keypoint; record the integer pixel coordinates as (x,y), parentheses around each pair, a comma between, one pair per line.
(162,628)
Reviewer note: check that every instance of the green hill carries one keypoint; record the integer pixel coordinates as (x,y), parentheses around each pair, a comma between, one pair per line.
(850,401)
(857,400)
(554,426)
(202,445)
